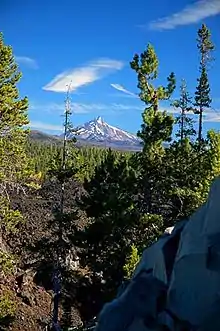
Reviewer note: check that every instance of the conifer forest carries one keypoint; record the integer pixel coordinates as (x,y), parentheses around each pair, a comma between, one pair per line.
(74,220)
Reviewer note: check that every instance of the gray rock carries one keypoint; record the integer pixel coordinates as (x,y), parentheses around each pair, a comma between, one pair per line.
(176,285)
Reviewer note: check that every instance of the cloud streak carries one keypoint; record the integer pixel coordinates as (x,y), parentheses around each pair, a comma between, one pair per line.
(38,125)
(87,108)
(50,107)
(27,61)
(82,108)
(82,76)
(45,126)
(191,14)
(121,88)
(169,109)
(212,116)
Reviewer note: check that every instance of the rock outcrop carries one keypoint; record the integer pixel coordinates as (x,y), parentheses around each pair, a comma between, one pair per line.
(176,285)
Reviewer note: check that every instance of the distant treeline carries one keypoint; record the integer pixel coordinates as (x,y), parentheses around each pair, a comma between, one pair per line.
(43,154)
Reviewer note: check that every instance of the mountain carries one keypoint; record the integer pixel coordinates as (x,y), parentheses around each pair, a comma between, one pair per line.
(95,133)
(44,137)
(99,132)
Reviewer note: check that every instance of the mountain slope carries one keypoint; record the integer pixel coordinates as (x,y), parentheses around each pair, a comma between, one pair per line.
(95,133)
(43,137)
(99,131)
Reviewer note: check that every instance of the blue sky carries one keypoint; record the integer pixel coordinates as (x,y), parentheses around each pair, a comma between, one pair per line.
(90,44)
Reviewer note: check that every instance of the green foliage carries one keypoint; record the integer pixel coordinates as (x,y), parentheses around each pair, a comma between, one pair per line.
(113,222)
(128,198)
(213,154)
(74,165)
(13,162)
(46,159)
(7,265)
(202,98)
(15,167)
(147,231)
(153,225)
(9,218)
(7,303)
(184,122)
(157,126)
(131,262)
(202,94)
(41,155)
(184,179)
(146,67)
(204,44)
(109,183)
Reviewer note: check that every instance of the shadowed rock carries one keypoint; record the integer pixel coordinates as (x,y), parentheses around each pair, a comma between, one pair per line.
(176,285)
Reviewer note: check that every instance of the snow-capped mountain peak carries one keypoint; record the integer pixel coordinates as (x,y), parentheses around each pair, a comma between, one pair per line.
(98,130)
(99,120)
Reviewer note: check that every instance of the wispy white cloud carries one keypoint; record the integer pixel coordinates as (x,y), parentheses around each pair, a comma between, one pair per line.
(212,116)
(97,107)
(93,107)
(120,95)
(45,126)
(86,108)
(81,76)
(192,13)
(119,106)
(82,108)
(124,90)
(27,61)
(170,110)
(57,108)
(209,115)
(78,107)
(42,126)
(47,107)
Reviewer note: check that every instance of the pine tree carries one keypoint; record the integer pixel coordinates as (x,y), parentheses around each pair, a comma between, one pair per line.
(13,118)
(14,165)
(157,126)
(202,94)
(205,45)
(113,225)
(184,103)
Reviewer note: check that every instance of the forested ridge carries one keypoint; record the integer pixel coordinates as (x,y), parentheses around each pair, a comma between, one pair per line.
(114,204)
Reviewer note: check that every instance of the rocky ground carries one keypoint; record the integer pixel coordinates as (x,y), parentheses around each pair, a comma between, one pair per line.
(33,245)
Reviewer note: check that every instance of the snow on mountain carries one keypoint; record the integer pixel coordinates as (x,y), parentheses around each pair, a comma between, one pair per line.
(98,130)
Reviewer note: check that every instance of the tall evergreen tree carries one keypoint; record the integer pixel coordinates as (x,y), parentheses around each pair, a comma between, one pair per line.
(157,126)
(184,103)
(14,165)
(202,94)
(13,118)
(113,222)
(13,161)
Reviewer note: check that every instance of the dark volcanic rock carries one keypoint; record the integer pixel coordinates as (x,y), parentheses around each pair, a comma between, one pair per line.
(35,243)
